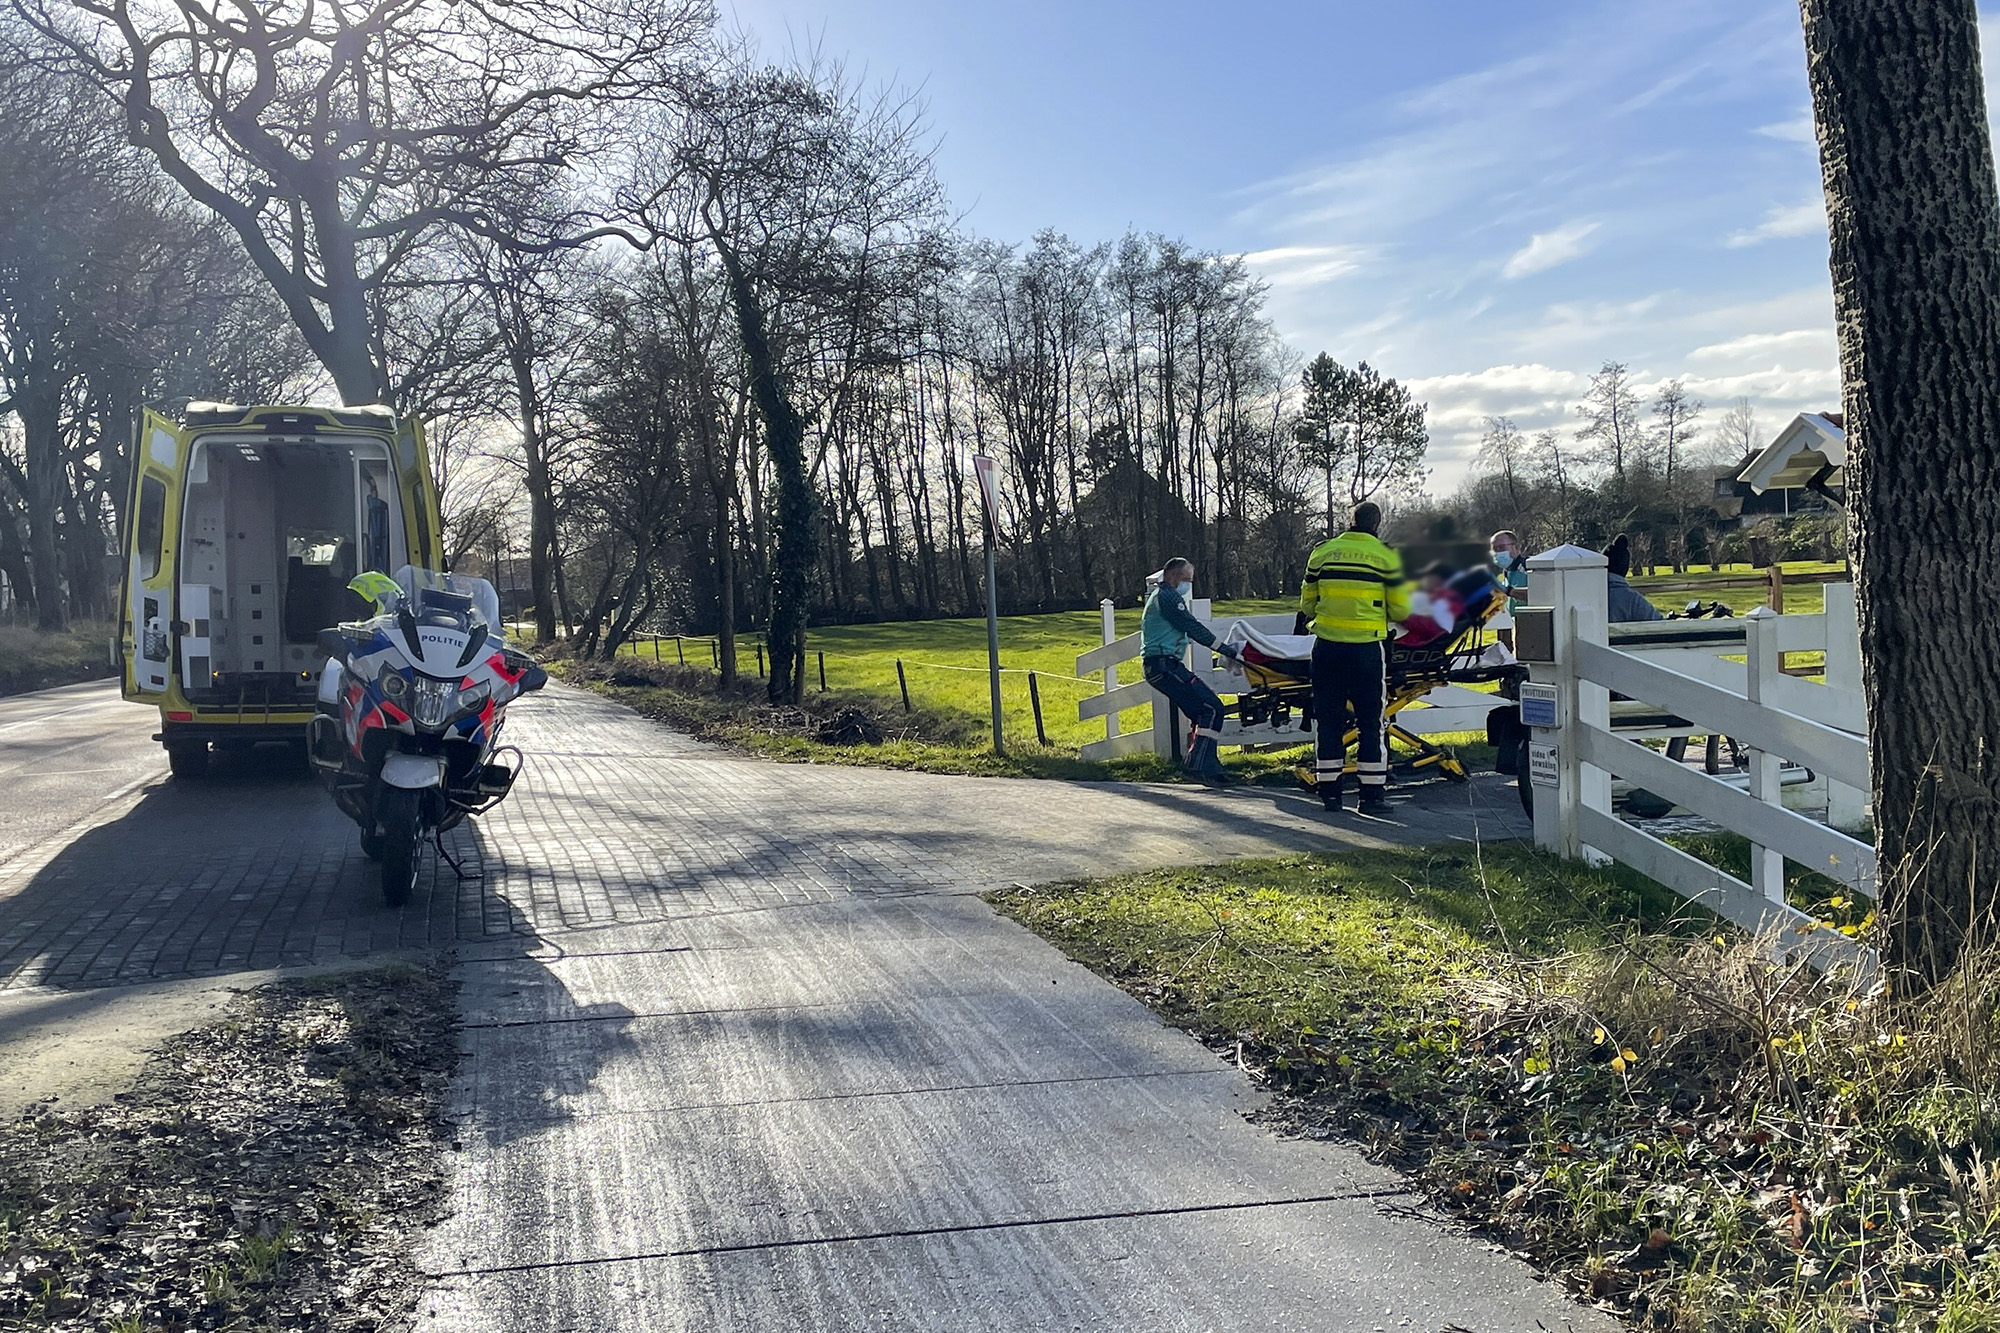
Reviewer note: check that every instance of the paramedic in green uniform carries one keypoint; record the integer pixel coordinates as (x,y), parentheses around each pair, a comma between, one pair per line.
(1164,633)
(1353,592)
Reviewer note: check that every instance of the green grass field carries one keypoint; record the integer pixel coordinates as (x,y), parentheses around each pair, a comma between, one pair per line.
(945,664)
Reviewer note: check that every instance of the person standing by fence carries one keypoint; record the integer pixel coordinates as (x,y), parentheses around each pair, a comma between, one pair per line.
(1165,629)
(1353,591)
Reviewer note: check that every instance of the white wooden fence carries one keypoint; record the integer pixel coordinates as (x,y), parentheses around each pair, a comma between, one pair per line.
(1447,709)
(1675,678)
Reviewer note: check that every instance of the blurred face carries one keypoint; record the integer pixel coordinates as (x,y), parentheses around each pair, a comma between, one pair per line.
(1431,584)
(1505,544)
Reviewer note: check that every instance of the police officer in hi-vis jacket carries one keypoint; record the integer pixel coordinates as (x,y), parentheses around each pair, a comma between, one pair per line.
(1353,592)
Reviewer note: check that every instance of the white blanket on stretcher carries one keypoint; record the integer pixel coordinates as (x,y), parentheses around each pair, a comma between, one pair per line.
(1299,647)
(1295,647)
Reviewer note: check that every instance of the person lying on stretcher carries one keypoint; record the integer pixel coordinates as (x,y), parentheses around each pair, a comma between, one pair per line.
(1443,598)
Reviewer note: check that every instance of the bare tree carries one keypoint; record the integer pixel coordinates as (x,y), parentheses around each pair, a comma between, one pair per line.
(811,196)
(1610,413)
(1505,450)
(336,142)
(1736,433)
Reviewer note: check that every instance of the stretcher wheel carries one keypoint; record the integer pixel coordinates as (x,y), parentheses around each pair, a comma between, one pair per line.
(1452,769)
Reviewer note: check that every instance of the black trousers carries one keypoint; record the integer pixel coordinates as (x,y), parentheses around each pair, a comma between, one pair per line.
(1197,702)
(1350,676)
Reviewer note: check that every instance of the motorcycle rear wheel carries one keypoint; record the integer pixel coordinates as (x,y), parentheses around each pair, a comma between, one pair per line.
(399,812)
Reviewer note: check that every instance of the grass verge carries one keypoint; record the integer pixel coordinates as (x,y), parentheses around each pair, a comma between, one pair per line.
(1584,1067)
(32,660)
(267,1171)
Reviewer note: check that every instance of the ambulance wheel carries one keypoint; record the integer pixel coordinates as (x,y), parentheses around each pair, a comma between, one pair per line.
(188,759)
(398,811)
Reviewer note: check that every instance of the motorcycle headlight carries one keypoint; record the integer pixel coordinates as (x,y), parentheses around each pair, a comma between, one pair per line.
(473,695)
(433,703)
(395,685)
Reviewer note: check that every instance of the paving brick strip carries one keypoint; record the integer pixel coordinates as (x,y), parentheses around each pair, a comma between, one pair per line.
(742,1053)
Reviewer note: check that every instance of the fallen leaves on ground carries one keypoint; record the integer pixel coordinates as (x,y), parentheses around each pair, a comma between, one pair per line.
(267,1171)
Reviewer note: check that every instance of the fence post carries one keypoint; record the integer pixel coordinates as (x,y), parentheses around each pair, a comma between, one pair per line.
(715,655)
(1846,807)
(822,671)
(1776,597)
(680,649)
(1767,867)
(1572,581)
(903,683)
(656,647)
(1035,700)
(760,661)
(1109,611)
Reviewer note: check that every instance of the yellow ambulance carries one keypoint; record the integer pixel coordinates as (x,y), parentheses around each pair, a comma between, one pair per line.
(246,525)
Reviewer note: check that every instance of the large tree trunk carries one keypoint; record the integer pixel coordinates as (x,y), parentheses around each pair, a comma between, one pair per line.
(541,496)
(1900,103)
(796,532)
(41,427)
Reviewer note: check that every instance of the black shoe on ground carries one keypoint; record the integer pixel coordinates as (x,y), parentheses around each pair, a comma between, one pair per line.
(1374,803)
(1217,780)
(1330,800)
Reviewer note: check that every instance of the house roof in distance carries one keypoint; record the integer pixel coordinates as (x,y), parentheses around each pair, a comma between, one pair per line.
(1805,449)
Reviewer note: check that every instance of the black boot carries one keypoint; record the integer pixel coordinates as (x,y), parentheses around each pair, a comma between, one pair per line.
(1329,795)
(1374,801)
(1204,765)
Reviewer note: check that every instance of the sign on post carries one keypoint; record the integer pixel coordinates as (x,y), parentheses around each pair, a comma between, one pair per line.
(1541,764)
(988,473)
(1539,706)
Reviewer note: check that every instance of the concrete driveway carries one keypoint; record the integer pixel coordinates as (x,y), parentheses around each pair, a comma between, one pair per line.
(742,1052)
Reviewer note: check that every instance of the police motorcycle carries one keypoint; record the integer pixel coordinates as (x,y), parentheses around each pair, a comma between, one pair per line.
(411,705)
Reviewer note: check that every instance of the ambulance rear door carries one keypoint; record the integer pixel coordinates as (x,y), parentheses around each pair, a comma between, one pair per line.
(152,547)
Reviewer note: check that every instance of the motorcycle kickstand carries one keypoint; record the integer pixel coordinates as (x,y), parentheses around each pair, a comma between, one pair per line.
(437,841)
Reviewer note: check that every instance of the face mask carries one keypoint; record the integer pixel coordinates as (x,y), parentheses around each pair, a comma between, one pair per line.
(1503,558)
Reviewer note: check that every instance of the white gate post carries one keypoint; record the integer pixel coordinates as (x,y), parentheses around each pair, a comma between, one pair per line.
(1760,641)
(1571,580)
(1846,807)
(1109,610)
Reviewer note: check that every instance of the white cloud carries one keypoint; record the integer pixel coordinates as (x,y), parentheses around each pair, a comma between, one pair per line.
(1789,220)
(1814,344)
(1546,249)
(1306,265)
(1798,129)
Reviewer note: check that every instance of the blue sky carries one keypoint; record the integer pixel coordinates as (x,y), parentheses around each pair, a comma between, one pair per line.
(1484,200)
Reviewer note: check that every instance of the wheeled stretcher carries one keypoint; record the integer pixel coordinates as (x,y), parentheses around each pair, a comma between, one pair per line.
(1277,670)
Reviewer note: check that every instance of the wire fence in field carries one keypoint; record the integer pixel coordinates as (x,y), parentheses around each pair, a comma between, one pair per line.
(705,651)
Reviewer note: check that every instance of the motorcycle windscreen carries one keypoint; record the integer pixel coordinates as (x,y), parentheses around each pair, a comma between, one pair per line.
(151,547)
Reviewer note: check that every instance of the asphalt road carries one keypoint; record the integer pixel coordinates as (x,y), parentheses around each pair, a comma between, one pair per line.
(743,1052)
(65,753)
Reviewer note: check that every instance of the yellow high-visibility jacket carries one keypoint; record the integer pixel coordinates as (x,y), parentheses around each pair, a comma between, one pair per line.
(1354,589)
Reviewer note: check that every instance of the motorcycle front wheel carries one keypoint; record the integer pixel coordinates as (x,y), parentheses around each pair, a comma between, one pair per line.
(399,813)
